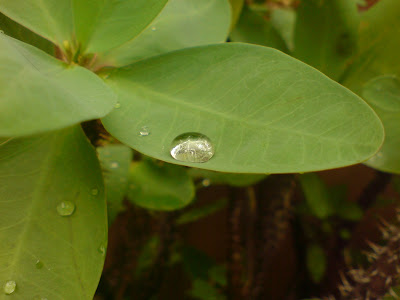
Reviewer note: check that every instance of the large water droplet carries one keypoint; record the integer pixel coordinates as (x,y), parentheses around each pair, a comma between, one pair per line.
(144,131)
(192,147)
(9,287)
(65,208)
(39,264)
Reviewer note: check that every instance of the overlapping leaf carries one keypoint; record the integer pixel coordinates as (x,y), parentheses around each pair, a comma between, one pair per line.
(40,93)
(264,111)
(50,256)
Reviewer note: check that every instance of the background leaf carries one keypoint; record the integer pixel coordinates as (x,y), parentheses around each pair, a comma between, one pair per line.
(159,187)
(115,161)
(255,29)
(181,24)
(46,254)
(236,6)
(316,262)
(40,93)
(226,178)
(23,34)
(326,34)
(264,111)
(198,213)
(96,25)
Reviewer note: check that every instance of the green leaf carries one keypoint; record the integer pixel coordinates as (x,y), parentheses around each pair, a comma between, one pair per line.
(159,187)
(236,6)
(218,274)
(96,25)
(264,111)
(147,255)
(181,24)
(253,28)
(115,161)
(40,93)
(284,22)
(196,263)
(316,262)
(196,214)
(378,45)
(383,94)
(326,34)
(204,290)
(226,178)
(12,28)
(49,255)
(316,195)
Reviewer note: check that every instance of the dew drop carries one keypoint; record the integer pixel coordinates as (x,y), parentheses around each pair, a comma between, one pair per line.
(192,147)
(95,192)
(9,287)
(206,182)
(65,208)
(153,28)
(144,131)
(102,249)
(114,165)
(39,264)
(117,105)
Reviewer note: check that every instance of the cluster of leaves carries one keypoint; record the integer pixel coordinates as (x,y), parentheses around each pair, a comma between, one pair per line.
(163,66)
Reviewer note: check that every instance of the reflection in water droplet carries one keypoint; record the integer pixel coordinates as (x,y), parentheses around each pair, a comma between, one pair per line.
(206,182)
(102,250)
(65,208)
(9,287)
(192,147)
(39,264)
(144,131)
(153,28)
(114,165)
(117,105)
(95,192)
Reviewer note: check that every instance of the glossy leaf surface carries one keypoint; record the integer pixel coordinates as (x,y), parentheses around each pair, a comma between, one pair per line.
(92,25)
(264,111)
(51,251)
(40,93)
(181,24)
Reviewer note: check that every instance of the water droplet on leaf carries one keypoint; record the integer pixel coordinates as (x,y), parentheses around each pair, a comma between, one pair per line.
(114,165)
(65,208)
(1,31)
(102,249)
(144,131)
(117,105)
(9,287)
(95,192)
(192,147)
(153,28)
(39,264)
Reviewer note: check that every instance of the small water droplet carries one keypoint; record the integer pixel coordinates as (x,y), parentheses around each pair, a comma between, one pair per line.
(206,182)
(114,165)
(65,208)
(39,298)
(102,249)
(117,105)
(1,31)
(144,131)
(39,264)
(153,28)
(9,287)
(95,192)
(192,147)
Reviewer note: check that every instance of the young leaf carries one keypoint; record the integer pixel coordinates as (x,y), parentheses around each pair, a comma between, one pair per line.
(165,187)
(263,111)
(96,25)
(326,34)
(115,161)
(12,28)
(316,195)
(53,230)
(253,28)
(181,24)
(383,94)
(40,93)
